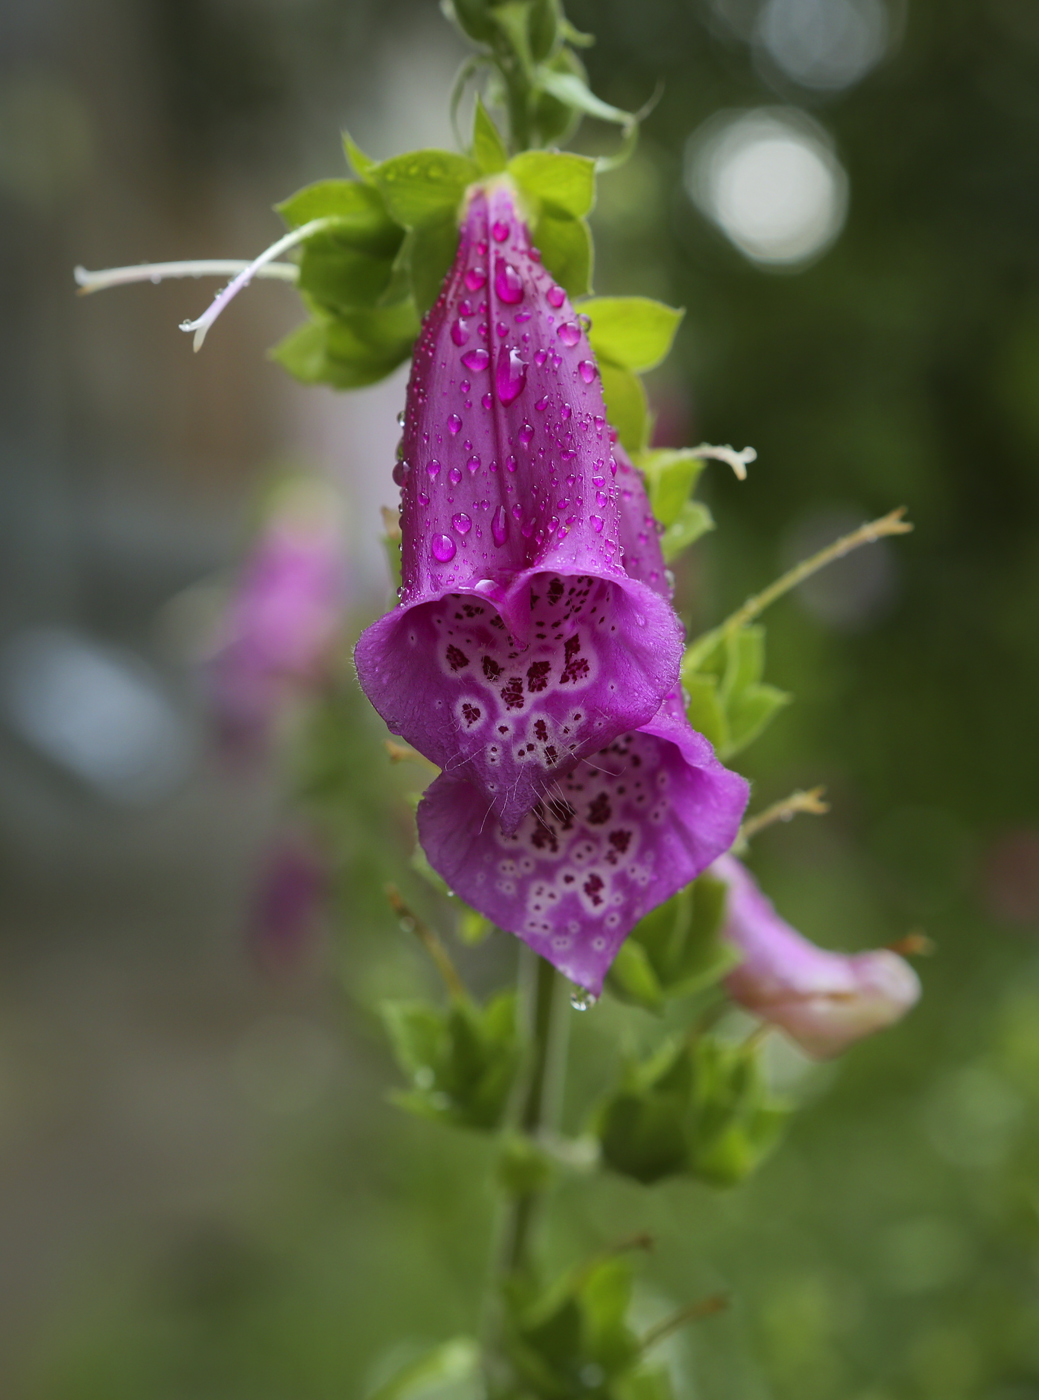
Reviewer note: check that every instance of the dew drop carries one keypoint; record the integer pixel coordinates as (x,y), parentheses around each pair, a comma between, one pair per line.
(454,424)
(510,376)
(481,248)
(398,473)
(465,386)
(526,433)
(400,419)
(510,463)
(462,523)
(565,412)
(432,466)
(669,579)
(487,400)
(500,526)
(596,523)
(582,1000)
(476,360)
(443,547)
(500,230)
(502,330)
(569,332)
(475,278)
(460,331)
(555,296)
(508,283)
(587,370)
(522,317)
(474,462)
(540,356)
(542,403)
(454,476)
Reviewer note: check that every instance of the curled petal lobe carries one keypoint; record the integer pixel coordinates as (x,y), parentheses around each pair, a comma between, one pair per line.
(823,1000)
(521,645)
(614,837)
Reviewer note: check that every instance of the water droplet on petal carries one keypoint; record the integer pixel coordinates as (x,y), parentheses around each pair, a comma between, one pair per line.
(423,499)
(454,424)
(500,526)
(569,333)
(400,419)
(542,403)
(587,370)
(474,462)
(526,433)
(582,1000)
(462,523)
(596,523)
(481,248)
(555,296)
(565,412)
(500,230)
(487,400)
(433,466)
(475,278)
(460,331)
(510,375)
(476,360)
(540,356)
(510,463)
(454,476)
(508,283)
(443,547)
(398,473)
(669,579)
(521,317)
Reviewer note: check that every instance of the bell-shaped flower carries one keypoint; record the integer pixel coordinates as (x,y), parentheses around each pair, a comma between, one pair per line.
(279,629)
(616,836)
(520,647)
(822,999)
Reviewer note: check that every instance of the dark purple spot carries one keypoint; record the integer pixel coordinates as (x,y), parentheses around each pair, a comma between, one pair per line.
(456,659)
(600,811)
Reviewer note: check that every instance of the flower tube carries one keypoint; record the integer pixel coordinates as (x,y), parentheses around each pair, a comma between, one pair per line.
(823,1000)
(520,646)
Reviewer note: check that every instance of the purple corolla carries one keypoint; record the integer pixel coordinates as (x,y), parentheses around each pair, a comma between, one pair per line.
(822,999)
(616,836)
(278,633)
(521,647)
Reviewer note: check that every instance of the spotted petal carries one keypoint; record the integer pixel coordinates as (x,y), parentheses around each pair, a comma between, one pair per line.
(615,837)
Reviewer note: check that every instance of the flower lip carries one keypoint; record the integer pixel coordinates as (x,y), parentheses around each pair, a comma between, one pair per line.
(824,1000)
(618,835)
(516,611)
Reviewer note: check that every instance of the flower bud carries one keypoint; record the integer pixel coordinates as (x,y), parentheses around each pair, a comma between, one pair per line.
(823,1000)
(521,646)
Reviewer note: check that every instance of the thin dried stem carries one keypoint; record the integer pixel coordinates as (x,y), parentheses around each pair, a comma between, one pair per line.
(692,1312)
(810,802)
(738,461)
(915,944)
(411,923)
(89,282)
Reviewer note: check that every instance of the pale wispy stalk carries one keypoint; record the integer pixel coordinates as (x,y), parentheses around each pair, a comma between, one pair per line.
(738,461)
(88,281)
(810,802)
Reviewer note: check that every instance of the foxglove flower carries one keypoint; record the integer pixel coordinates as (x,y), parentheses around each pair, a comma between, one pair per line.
(822,999)
(277,634)
(520,647)
(616,836)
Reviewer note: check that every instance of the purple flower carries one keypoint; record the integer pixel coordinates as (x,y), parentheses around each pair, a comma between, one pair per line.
(521,646)
(823,1000)
(277,634)
(616,836)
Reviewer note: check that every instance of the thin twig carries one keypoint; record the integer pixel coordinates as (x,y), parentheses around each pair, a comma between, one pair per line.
(810,802)
(738,461)
(411,923)
(692,1312)
(914,945)
(89,282)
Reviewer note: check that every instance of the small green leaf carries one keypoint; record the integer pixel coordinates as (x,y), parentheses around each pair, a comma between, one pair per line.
(424,187)
(566,250)
(472,18)
(352,349)
(749,713)
(633,332)
(455,1363)
(488,148)
(558,178)
(569,88)
(543,28)
(694,519)
(704,708)
(430,251)
(340,279)
(626,405)
(360,164)
(671,475)
(631,977)
(555,121)
(513,18)
(363,221)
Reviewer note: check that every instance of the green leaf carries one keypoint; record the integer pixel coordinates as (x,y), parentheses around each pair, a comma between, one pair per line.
(489,150)
(472,17)
(644,1136)
(704,708)
(362,219)
(555,121)
(424,187)
(626,405)
(566,250)
(513,18)
(522,1166)
(473,928)
(569,88)
(633,332)
(351,349)
(681,939)
(631,978)
(543,28)
(651,1383)
(360,164)
(558,178)
(453,1363)
(340,279)
(694,520)
(729,703)
(749,713)
(429,252)
(671,475)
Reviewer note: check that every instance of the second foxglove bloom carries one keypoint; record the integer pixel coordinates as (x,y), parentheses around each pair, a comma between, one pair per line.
(521,646)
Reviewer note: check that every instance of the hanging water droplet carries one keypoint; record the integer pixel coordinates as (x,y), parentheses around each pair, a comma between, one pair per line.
(596,523)
(460,331)
(500,526)
(487,400)
(587,370)
(669,579)
(423,499)
(569,332)
(475,278)
(526,433)
(474,462)
(565,412)
(510,375)
(555,296)
(398,473)
(454,423)
(432,466)
(476,360)
(400,419)
(443,547)
(454,476)
(408,924)
(508,283)
(582,1000)
(542,403)
(462,523)
(500,230)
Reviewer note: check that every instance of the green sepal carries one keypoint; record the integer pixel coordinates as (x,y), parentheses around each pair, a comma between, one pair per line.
(453,1365)
(360,164)
(626,405)
(695,1108)
(694,519)
(350,349)
(462,1060)
(488,148)
(472,17)
(523,1167)
(729,703)
(566,250)
(575,92)
(543,27)
(559,179)
(671,476)
(424,187)
(676,949)
(635,333)
(555,121)
(362,219)
(428,253)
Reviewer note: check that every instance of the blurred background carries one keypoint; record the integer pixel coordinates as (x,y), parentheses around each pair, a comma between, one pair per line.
(203,1191)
